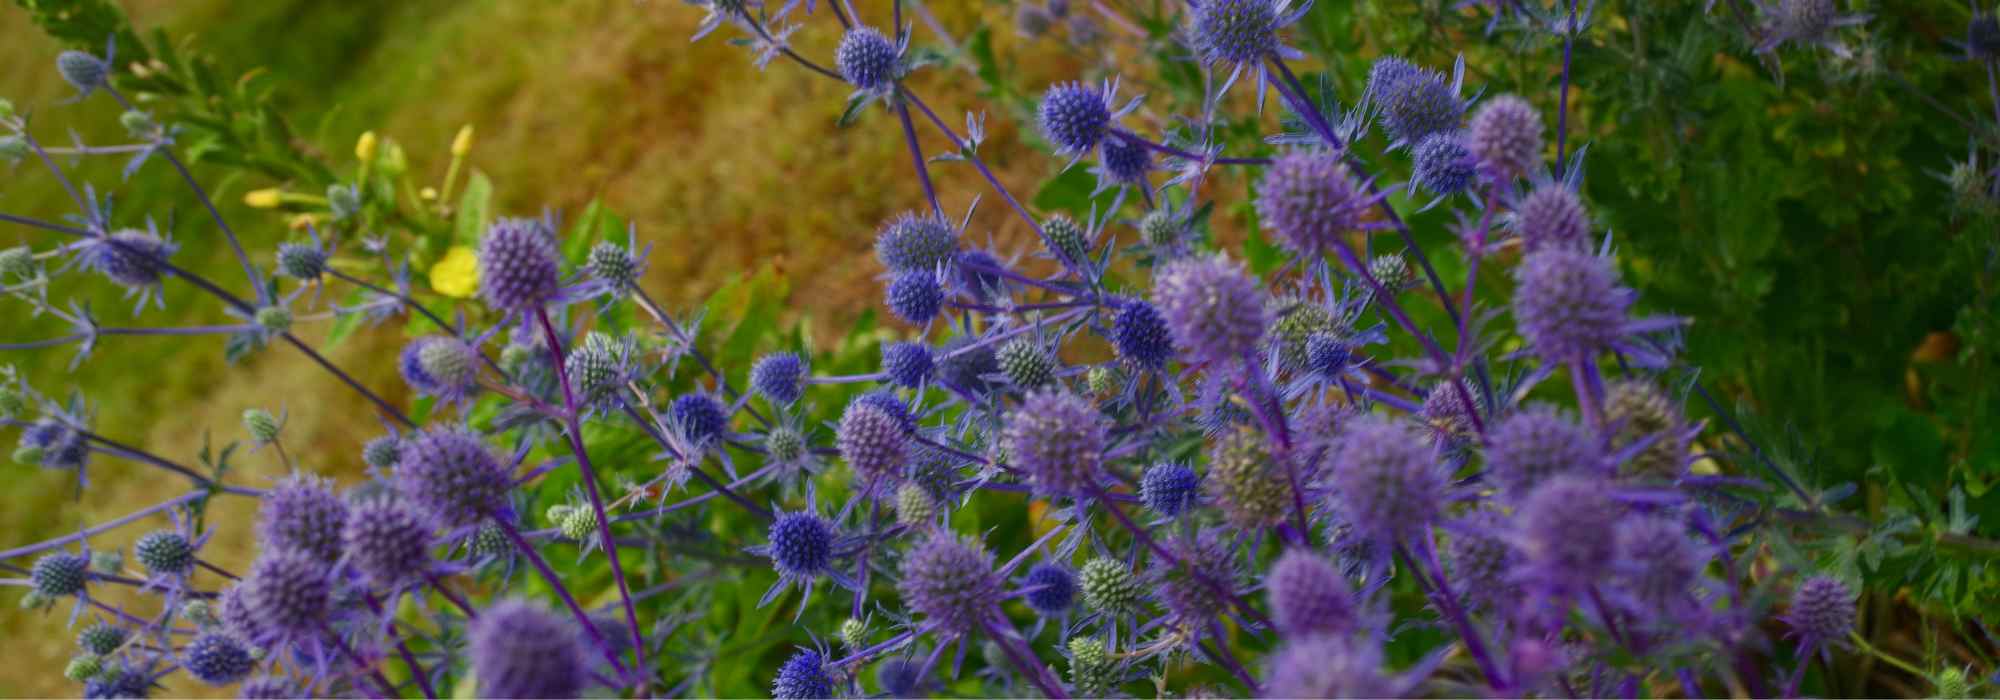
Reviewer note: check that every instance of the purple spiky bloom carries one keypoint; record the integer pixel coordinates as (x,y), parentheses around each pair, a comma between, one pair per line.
(1658,566)
(1566,533)
(872,440)
(803,677)
(82,70)
(1310,200)
(217,658)
(702,419)
(1054,588)
(914,296)
(1236,31)
(518,264)
(440,366)
(1415,101)
(1506,137)
(1328,666)
(907,364)
(1141,335)
(1309,595)
(303,262)
(887,401)
(1169,488)
(1193,590)
(1552,216)
(410,362)
(1125,161)
(801,545)
(1480,559)
(130,257)
(1443,164)
(1443,409)
(388,543)
(976,277)
(101,639)
(967,367)
(1387,481)
(1568,304)
(950,581)
(382,452)
(916,242)
(286,597)
(1532,444)
(118,683)
(1822,610)
(303,513)
(450,474)
(1075,116)
(1058,439)
(780,377)
(519,649)
(867,60)
(164,553)
(60,574)
(1214,308)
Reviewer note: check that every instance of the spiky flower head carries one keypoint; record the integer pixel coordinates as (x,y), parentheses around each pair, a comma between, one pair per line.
(489,541)
(1309,595)
(872,440)
(1214,308)
(1236,31)
(1506,137)
(388,543)
(199,611)
(83,667)
(1552,216)
(518,268)
(82,70)
(218,659)
(579,525)
(598,368)
(951,582)
(1169,488)
(1822,610)
(303,513)
(451,365)
(1141,335)
(519,649)
(915,506)
(301,262)
(1444,410)
(1243,480)
(803,677)
(101,639)
(1952,682)
(801,545)
(867,59)
(780,377)
(1067,240)
(1075,116)
(1328,666)
(450,474)
(164,553)
(286,596)
(853,633)
(785,445)
(1093,673)
(1480,558)
(907,364)
(1026,363)
(1193,591)
(118,683)
(1310,200)
(916,242)
(614,265)
(1393,272)
(978,274)
(900,677)
(129,257)
(1443,163)
(1126,161)
(382,452)
(1104,381)
(701,418)
(1415,101)
(261,425)
(1387,480)
(1162,231)
(1051,588)
(1640,410)
(1568,304)
(914,296)
(966,367)
(1565,531)
(1058,438)
(1658,565)
(1535,443)
(1805,18)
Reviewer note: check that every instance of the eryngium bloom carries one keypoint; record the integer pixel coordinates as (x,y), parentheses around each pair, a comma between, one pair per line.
(1109,587)
(1075,117)
(450,474)
(1552,217)
(598,368)
(780,377)
(967,369)
(1535,443)
(867,60)
(1566,532)
(286,597)
(614,265)
(914,296)
(1141,336)
(803,677)
(1193,588)
(60,574)
(131,258)
(1568,304)
(1026,363)
(164,552)
(301,262)
(82,70)
(1328,666)
(388,543)
(1416,102)
(518,269)
(1244,480)
(101,639)
(1480,559)
(1308,595)
(1443,164)
(1054,588)
(217,659)
(801,545)
(1387,481)
(1169,489)
(1506,136)
(1822,610)
(951,582)
(1236,31)
(1658,566)
(907,364)
(1057,438)
(382,452)
(1125,161)
(871,440)
(916,242)
(303,513)
(701,418)
(1310,199)
(521,650)
(1214,308)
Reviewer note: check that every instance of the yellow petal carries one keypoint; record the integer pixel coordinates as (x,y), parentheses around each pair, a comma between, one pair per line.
(263,199)
(457,274)
(364,147)
(462,144)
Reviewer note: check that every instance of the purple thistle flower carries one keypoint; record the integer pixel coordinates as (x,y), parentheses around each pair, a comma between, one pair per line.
(1658,567)
(1126,162)
(1480,558)
(382,452)
(60,574)
(1822,611)
(1566,533)
(388,543)
(1188,590)
(118,683)
(1169,489)
(1238,31)
(410,363)
(967,369)
(907,364)
(800,547)
(304,262)
(887,401)
(450,474)
(1328,666)
(302,513)
(518,268)
(268,688)
(1058,438)
(130,257)
(217,659)
(701,418)
(1246,480)
(1054,588)
(872,441)
(440,366)
(164,553)
(521,650)
(1416,102)
(1506,137)
(1552,217)
(1075,117)
(868,60)
(1443,164)
(1141,335)
(916,242)
(915,296)
(83,70)
(1386,479)
(1214,308)
(1310,200)
(1568,304)
(804,676)
(1309,596)
(780,377)
(950,581)
(101,639)
(1529,446)
(1444,411)
(599,368)
(286,598)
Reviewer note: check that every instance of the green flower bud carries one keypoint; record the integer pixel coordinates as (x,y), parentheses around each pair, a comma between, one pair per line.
(200,612)
(274,319)
(262,426)
(1108,586)
(915,507)
(14,148)
(853,633)
(580,524)
(83,667)
(139,124)
(1026,364)
(17,262)
(1092,671)
(28,455)
(12,403)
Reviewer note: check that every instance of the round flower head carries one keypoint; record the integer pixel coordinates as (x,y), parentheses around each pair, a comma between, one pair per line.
(1125,161)
(382,452)
(1242,479)
(217,659)
(1093,673)
(411,364)
(164,553)
(1443,164)
(967,369)
(1141,335)
(521,650)
(1328,666)
(301,262)
(614,265)
(387,543)
(907,364)
(1822,610)
(1415,102)
(286,597)
(130,257)
(1236,31)
(1067,240)
(1190,590)
(1026,363)
(1075,117)
(1565,532)
(1327,355)
(1310,200)
(915,296)
(1568,304)
(701,418)
(1552,217)
(1162,231)
(83,667)
(1214,308)
(976,276)
(1444,411)
(1058,438)
(1506,137)
(302,513)
(1308,595)
(451,365)
(1109,587)
(101,639)
(951,583)
(118,683)
(872,440)
(916,507)
(801,545)
(1054,588)
(1392,272)
(1658,565)
(867,59)
(1169,489)
(518,269)
(780,377)
(82,70)
(1641,411)
(1386,478)
(598,368)
(803,677)
(451,475)
(1529,446)
(916,242)
(900,677)
(1480,558)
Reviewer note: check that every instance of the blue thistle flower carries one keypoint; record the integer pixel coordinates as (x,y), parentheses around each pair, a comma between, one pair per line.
(1214,308)
(301,261)
(916,242)
(1075,117)
(118,683)
(101,639)
(1568,304)
(1242,32)
(950,581)
(1443,164)
(599,368)
(1506,136)
(780,377)
(1141,335)
(450,474)
(976,277)
(1387,481)
(900,677)
(410,363)
(217,659)
(967,369)
(1169,488)
(518,268)
(1126,162)
(868,60)
(1329,666)
(1416,102)
(1822,611)
(388,543)
(1328,356)
(701,418)
(1058,439)
(302,513)
(1529,446)
(1310,200)
(130,258)
(617,267)
(887,401)
(1309,595)
(803,677)
(1565,533)
(451,366)
(83,70)
(801,548)
(382,452)
(915,296)
(287,597)
(165,553)
(1552,217)
(521,650)
(1658,567)
(1054,588)
(872,440)
(907,364)
(1480,558)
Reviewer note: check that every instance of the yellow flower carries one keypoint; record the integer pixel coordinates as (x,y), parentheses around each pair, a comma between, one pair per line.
(462,144)
(364,148)
(457,274)
(268,198)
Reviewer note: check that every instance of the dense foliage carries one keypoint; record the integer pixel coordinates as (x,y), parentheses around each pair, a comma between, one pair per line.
(1361,349)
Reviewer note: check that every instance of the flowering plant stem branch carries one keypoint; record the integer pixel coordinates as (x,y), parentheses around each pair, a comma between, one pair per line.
(403,650)
(555,582)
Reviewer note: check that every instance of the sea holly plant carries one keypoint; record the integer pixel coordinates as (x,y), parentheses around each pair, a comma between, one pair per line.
(1419,433)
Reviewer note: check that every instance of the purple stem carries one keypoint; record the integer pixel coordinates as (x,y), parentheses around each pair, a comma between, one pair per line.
(916,151)
(555,582)
(1431,575)
(1562,104)
(1179,153)
(373,672)
(403,650)
(249,271)
(980,165)
(1139,533)
(456,601)
(1024,659)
